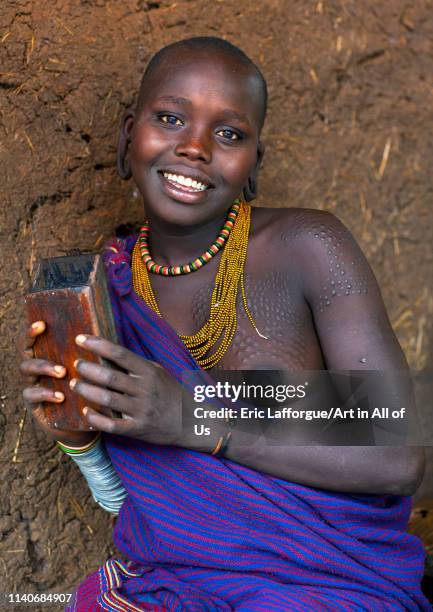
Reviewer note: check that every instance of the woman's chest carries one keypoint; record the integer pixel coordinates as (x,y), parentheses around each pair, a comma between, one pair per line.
(274,329)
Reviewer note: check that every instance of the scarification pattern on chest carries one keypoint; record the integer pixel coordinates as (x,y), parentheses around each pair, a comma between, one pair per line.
(277,313)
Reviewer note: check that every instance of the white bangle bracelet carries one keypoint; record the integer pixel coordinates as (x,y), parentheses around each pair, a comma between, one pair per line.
(104,483)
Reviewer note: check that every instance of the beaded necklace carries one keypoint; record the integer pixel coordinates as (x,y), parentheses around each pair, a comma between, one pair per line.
(197,263)
(222,320)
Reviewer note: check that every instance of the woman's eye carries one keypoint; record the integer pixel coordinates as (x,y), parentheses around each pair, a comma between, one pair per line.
(170,119)
(229,134)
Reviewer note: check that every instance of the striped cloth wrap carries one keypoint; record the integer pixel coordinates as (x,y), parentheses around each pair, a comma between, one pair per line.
(205,534)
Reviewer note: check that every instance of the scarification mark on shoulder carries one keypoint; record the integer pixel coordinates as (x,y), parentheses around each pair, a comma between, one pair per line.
(316,223)
(347,270)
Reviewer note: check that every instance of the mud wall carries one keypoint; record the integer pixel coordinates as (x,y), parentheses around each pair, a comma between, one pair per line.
(349,130)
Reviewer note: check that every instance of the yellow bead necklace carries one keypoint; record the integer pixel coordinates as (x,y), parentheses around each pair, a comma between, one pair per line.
(222,319)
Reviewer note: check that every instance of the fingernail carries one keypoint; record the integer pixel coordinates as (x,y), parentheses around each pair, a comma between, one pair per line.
(80,339)
(37,324)
(59,370)
(76,363)
(73,382)
(59,395)
(85,410)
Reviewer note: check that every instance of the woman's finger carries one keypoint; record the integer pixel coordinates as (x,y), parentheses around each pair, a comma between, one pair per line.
(37,395)
(33,331)
(105,376)
(120,355)
(28,338)
(42,367)
(100,422)
(103,397)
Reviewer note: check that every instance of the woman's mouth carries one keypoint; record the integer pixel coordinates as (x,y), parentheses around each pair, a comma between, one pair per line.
(185,182)
(183,187)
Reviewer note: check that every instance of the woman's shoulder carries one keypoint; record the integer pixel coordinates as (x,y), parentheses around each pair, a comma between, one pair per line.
(308,243)
(290,225)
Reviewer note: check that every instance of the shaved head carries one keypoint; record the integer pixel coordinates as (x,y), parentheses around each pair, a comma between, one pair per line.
(211,48)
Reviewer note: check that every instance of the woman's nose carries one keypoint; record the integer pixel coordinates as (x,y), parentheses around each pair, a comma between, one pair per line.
(194,147)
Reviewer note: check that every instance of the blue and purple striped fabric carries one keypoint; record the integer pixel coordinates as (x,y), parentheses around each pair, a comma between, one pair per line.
(208,534)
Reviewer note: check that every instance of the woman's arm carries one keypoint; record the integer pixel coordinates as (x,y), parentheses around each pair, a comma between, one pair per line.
(346,469)
(153,407)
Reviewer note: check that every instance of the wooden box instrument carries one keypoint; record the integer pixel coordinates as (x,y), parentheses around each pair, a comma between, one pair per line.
(70,294)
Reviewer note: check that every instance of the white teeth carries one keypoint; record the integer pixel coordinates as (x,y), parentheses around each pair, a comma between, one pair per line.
(185,181)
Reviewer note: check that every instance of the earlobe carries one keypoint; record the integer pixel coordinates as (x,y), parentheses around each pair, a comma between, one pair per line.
(250,189)
(123,168)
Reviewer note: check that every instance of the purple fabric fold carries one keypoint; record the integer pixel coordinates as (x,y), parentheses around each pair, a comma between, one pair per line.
(207,534)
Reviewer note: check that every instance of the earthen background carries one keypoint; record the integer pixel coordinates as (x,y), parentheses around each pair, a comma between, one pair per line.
(349,130)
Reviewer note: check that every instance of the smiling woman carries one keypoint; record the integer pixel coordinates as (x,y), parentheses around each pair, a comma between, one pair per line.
(227,521)
(195,124)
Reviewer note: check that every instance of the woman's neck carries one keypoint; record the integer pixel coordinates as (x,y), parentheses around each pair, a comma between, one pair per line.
(174,245)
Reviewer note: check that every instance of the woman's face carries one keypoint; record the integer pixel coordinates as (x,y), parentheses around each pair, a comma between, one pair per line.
(195,140)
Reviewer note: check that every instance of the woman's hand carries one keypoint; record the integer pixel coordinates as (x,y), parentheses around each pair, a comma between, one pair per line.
(149,399)
(34,395)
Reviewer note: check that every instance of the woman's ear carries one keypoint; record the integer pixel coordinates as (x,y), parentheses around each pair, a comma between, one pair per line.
(126,126)
(250,189)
